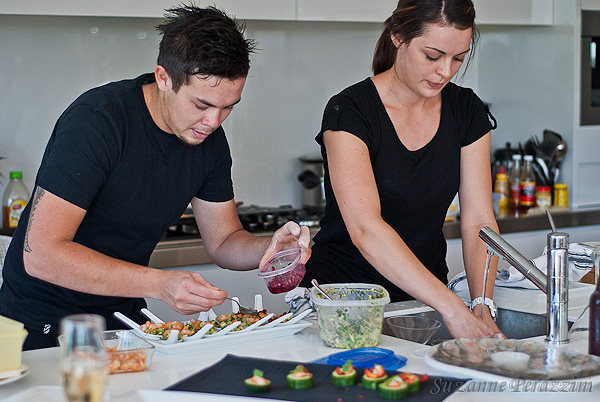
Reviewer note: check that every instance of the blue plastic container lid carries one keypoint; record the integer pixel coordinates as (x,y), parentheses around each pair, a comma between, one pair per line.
(365,358)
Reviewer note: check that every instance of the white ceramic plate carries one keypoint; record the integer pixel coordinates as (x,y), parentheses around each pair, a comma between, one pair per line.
(466,372)
(232,338)
(14,375)
(46,393)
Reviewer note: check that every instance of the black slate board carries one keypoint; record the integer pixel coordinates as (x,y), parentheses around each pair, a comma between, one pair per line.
(227,377)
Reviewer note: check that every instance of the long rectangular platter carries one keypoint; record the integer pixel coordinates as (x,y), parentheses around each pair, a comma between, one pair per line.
(231,339)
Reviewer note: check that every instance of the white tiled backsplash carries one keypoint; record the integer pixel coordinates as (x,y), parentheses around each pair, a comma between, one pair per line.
(48,61)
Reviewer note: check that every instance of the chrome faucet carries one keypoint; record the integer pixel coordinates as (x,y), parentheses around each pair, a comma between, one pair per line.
(555,284)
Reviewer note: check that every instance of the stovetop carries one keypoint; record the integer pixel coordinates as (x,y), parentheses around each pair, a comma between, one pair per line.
(254,218)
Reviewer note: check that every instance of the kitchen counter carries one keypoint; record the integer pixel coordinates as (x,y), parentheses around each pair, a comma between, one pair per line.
(176,252)
(165,370)
(539,221)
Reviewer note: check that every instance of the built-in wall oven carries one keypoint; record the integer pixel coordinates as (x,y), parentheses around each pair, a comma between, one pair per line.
(590,68)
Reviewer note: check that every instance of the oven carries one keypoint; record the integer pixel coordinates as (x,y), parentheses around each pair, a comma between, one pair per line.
(590,68)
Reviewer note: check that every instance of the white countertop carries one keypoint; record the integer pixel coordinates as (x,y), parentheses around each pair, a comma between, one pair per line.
(44,380)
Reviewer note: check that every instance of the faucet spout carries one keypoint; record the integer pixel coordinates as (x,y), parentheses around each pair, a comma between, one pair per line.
(504,250)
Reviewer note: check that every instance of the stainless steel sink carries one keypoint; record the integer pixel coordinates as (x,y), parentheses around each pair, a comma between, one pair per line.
(513,324)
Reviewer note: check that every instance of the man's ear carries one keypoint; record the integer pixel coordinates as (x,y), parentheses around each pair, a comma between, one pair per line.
(162,78)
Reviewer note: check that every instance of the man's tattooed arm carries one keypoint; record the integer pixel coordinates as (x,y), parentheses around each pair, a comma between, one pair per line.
(39,193)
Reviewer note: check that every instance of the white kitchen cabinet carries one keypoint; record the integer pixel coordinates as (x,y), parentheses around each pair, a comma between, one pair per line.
(489,12)
(590,4)
(345,10)
(514,12)
(242,9)
(508,12)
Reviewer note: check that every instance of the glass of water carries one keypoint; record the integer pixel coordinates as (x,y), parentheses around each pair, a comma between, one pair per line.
(83,362)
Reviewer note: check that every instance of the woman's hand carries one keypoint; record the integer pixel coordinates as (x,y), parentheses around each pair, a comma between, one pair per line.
(464,324)
(487,317)
(290,235)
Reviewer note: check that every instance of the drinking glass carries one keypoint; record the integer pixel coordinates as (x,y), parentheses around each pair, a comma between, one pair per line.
(582,323)
(83,361)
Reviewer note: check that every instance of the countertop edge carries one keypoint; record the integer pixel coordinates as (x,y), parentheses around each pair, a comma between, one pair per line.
(528,223)
(177,253)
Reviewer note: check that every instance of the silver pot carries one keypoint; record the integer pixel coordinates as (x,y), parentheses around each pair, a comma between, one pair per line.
(311,177)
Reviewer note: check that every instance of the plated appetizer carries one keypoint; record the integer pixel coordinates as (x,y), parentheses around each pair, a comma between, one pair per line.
(164,329)
(412,381)
(299,378)
(187,329)
(399,386)
(257,383)
(372,377)
(344,375)
(393,388)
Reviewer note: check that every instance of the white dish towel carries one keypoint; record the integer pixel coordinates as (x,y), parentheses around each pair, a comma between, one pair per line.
(581,261)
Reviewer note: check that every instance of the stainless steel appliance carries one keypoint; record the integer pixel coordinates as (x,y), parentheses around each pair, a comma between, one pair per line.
(311,177)
(590,68)
(254,218)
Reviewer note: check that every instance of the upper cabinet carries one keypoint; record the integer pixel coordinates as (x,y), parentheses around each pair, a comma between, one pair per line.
(345,10)
(242,9)
(514,12)
(504,12)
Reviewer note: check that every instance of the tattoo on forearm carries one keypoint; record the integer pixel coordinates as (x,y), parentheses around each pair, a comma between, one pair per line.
(39,193)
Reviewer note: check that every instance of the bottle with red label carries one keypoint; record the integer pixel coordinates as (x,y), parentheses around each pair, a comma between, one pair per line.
(527,182)
(14,201)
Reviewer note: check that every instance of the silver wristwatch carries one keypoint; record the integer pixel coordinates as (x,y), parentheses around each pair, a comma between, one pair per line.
(488,302)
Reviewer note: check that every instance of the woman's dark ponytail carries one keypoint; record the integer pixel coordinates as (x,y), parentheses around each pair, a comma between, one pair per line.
(385,51)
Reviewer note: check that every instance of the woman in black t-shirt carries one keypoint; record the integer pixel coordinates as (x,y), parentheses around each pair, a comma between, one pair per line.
(397,148)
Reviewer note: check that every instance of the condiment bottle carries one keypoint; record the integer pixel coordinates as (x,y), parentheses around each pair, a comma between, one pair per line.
(501,187)
(515,182)
(594,333)
(543,198)
(561,195)
(14,201)
(527,180)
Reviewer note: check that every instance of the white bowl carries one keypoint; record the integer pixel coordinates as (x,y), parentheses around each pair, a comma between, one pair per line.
(510,360)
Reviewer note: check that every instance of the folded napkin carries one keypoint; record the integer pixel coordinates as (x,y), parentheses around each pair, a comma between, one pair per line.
(299,300)
(580,257)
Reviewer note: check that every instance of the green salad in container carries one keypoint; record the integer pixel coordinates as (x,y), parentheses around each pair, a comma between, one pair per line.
(354,316)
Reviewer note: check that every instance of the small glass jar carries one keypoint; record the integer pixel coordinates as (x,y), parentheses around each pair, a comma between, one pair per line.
(543,198)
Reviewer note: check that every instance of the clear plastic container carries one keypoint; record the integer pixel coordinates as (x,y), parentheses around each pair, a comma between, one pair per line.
(353,319)
(283,271)
(127,352)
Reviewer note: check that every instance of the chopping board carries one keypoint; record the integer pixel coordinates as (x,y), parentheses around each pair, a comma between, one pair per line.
(227,377)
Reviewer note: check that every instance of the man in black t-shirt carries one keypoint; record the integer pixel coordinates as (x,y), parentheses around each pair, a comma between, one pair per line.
(123,163)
